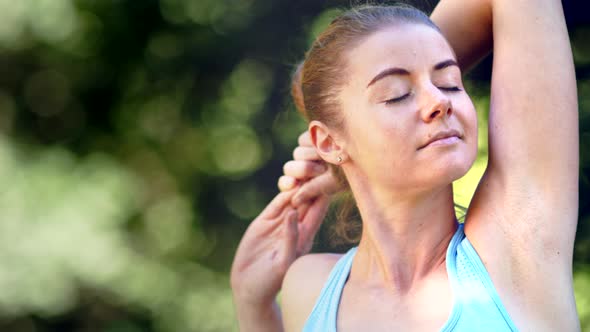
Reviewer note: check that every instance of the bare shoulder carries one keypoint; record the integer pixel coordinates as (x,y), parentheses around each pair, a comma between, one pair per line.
(302,286)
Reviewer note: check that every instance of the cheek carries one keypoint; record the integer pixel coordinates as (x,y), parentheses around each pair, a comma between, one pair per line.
(467,117)
(378,140)
(392,134)
(470,127)
(395,139)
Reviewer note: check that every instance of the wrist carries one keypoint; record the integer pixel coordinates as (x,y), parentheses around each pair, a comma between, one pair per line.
(259,317)
(248,298)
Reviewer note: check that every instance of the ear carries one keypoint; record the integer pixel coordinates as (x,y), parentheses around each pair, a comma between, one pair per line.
(328,145)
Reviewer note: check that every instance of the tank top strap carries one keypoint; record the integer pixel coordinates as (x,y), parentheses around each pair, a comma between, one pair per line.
(476,304)
(451,266)
(482,306)
(323,315)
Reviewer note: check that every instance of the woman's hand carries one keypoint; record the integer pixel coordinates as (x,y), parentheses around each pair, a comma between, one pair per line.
(308,171)
(271,243)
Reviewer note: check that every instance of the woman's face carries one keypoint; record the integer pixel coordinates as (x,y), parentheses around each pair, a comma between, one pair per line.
(408,121)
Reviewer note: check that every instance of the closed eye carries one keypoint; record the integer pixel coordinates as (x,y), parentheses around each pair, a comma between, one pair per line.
(398,99)
(395,100)
(451,89)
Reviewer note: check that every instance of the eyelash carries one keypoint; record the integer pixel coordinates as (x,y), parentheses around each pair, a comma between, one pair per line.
(398,99)
(395,100)
(451,89)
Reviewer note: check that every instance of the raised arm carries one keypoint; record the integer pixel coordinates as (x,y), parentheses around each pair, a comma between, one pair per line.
(522,219)
(533,113)
(467,25)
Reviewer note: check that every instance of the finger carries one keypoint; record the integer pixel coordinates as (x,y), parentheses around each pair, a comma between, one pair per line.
(311,223)
(302,209)
(305,139)
(300,169)
(325,184)
(306,153)
(277,205)
(291,236)
(287,182)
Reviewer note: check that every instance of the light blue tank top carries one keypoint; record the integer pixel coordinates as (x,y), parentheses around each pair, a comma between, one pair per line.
(476,305)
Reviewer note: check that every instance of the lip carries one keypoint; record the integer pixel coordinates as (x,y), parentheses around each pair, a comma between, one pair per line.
(442,137)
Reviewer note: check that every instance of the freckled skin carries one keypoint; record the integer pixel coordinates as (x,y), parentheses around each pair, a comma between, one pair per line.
(401,184)
(522,232)
(380,137)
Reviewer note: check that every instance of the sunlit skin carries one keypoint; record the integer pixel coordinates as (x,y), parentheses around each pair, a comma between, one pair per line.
(522,217)
(388,122)
(402,185)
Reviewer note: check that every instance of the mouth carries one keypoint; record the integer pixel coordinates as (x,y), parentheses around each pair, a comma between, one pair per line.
(446,137)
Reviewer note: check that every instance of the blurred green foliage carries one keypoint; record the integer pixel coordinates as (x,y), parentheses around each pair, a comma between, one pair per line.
(139,138)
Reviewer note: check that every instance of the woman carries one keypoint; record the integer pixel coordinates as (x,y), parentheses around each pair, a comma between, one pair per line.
(382,88)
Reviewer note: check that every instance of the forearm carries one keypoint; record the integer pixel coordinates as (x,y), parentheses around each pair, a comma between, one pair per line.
(256,318)
(467,25)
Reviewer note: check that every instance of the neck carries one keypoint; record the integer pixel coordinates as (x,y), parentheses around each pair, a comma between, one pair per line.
(404,238)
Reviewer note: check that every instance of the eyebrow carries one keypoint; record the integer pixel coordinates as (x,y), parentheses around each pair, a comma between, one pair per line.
(404,72)
(445,64)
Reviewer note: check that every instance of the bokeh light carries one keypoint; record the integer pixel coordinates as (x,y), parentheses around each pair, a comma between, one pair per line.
(138,139)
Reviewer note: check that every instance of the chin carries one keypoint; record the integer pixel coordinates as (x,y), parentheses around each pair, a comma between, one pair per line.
(447,170)
(460,167)
(459,171)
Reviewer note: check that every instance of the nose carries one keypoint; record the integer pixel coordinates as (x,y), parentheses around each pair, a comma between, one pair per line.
(436,105)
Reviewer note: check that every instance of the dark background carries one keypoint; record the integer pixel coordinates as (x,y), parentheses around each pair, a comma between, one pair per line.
(139,138)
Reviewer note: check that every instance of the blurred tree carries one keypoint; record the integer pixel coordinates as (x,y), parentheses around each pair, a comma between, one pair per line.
(139,138)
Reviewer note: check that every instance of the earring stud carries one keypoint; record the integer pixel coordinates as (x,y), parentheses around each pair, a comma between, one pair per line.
(339,159)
